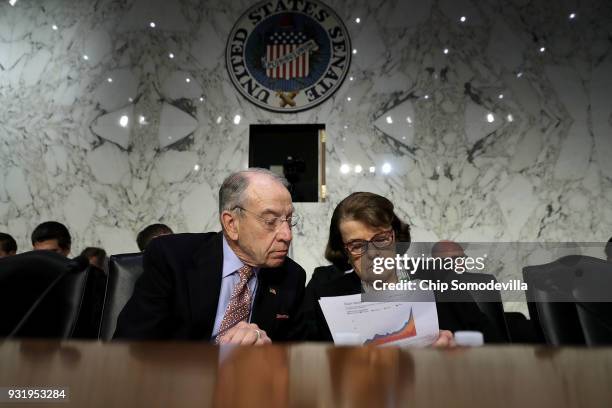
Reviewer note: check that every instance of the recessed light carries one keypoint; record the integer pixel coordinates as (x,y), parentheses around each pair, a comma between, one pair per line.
(124,120)
(109,79)
(237,119)
(152,24)
(354,50)
(171,55)
(372,169)
(500,96)
(462,19)
(542,49)
(358,20)
(345,168)
(351,78)
(389,120)
(54,27)
(188,80)
(86,57)
(348,98)
(358,169)
(572,16)
(386,168)
(490,118)
(445,51)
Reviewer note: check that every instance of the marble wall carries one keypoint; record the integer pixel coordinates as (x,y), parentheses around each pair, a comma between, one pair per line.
(496,126)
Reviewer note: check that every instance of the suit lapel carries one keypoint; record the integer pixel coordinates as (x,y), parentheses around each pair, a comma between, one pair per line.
(266,301)
(204,285)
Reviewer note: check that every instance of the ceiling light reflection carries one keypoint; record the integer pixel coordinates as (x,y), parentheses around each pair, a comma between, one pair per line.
(124,121)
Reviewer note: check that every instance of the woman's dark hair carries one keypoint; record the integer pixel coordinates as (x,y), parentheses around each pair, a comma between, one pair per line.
(368,208)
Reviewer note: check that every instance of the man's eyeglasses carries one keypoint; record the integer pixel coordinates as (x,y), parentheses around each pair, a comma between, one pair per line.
(380,241)
(273,223)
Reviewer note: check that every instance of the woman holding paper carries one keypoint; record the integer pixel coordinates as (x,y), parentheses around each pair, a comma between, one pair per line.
(365,220)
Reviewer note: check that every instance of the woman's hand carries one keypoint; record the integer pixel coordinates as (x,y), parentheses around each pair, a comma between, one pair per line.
(445,340)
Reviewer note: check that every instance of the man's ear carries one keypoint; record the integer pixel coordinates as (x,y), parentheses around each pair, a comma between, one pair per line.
(230,222)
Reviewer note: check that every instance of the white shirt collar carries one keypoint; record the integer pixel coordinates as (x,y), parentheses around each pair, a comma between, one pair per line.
(231,262)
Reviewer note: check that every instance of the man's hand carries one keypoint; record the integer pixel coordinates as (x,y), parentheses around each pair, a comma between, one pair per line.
(445,340)
(245,334)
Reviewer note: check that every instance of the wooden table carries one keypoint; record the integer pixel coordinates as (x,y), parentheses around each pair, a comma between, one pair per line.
(151,374)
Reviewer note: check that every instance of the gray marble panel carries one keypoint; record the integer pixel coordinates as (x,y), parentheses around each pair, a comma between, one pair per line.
(509,137)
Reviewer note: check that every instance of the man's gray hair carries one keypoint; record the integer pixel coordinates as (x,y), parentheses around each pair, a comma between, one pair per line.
(231,193)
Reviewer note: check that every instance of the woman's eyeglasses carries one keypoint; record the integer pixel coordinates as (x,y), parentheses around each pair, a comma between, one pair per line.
(380,241)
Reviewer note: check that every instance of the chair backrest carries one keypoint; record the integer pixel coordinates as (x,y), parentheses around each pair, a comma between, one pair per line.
(24,278)
(489,302)
(557,321)
(593,293)
(123,271)
(90,315)
(522,330)
(551,296)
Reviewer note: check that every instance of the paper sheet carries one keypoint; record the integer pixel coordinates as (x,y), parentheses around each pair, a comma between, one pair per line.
(413,323)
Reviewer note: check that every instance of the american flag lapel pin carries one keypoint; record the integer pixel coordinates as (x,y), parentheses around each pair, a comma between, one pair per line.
(273,291)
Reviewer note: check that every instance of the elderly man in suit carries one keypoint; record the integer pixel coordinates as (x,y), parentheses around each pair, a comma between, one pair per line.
(236,286)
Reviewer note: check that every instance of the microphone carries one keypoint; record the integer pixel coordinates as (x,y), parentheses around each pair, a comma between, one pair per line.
(74,265)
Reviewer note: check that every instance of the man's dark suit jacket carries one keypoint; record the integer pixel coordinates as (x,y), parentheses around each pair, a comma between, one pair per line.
(453,316)
(176,297)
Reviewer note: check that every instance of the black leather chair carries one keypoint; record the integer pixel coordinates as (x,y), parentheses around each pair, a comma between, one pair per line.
(593,294)
(123,271)
(489,302)
(551,296)
(24,278)
(522,330)
(90,315)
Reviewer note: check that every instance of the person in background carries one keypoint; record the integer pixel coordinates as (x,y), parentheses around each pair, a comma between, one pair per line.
(52,236)
(447,249)
(151,231)
(95,256)
(8,246)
